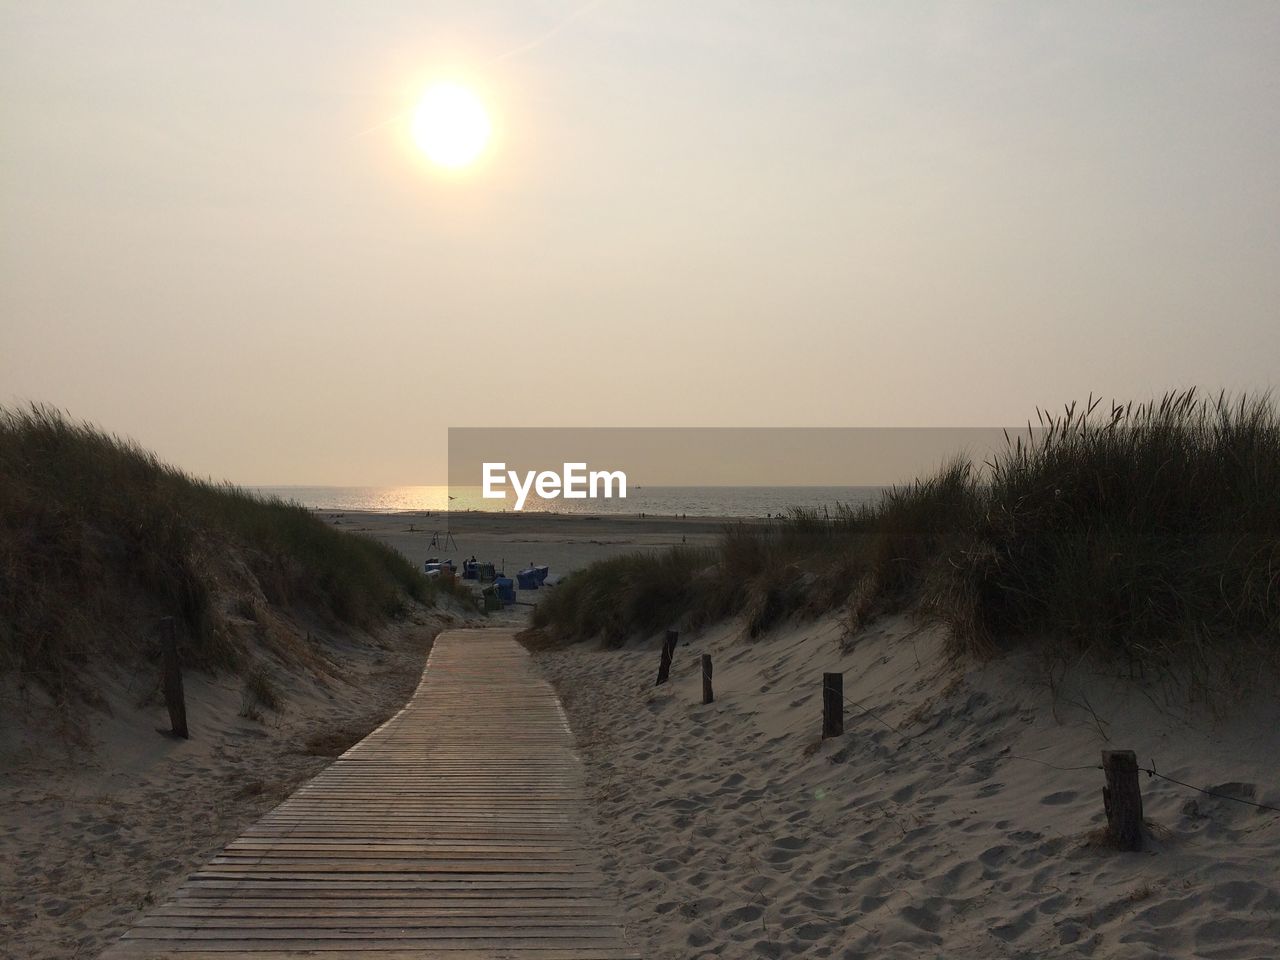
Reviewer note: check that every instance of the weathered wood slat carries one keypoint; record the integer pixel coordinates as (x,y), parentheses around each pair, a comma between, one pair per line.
(338,914)
(361,931)
(492,948)
(449,832)
(381,950)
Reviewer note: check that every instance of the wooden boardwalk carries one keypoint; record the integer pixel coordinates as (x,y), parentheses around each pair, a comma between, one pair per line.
(451,832)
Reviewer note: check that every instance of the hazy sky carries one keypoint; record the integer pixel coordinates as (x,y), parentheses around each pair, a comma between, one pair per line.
(217,237)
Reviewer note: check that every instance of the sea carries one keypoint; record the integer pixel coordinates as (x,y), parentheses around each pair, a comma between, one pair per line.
(652,501)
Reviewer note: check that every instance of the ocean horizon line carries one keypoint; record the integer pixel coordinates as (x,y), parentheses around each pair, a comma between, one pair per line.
(711,500)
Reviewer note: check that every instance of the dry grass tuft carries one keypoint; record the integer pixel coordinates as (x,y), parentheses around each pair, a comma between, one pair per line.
(99,539)
(1147,536)
(336,741)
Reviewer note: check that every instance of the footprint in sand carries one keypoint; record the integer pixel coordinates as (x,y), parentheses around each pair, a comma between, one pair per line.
(813,930)
(921,916)
(784,850)
(994,856)
(1053,905)
(1242,895)
(862,870)
(55,907)
(698,938)
(738,916)
(1059,798)
(682,803)
(959,877)
(871,903)
(814,903)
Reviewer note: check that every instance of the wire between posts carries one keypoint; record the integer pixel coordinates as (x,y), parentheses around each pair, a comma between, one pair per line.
(1149,771)
(975,764)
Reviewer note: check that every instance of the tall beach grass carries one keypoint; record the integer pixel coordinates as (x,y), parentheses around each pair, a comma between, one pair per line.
(1144,534)
(98,539)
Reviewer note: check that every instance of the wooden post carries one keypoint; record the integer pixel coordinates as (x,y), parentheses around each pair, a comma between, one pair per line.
(1122,799)
(668,651)
(708,695)
(832,705)
(173,694)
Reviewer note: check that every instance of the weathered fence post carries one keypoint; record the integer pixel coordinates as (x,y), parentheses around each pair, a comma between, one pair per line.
(1122,799)
(173,695)
(668,651)
(832,705)
(708,695)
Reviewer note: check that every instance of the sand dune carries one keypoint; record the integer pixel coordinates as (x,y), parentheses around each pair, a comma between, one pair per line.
(734,831)
(92,834)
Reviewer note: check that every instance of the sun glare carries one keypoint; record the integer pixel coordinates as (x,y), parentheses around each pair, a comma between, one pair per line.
(451,126)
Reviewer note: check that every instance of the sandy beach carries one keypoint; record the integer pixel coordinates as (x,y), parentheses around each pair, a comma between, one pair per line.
(104,817)
(566,542)
(959,815)
(733,830)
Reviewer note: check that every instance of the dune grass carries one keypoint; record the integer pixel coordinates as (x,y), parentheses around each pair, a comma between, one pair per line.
(98,539)
(1147,534)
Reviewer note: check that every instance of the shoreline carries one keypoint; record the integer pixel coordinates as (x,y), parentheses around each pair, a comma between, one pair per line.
(522,516)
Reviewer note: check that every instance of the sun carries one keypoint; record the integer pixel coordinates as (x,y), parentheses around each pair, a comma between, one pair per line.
(451,126)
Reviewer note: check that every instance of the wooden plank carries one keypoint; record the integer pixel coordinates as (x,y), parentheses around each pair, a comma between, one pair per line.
(492,948)
(359,931)
(451,829)
(139,950)
(338,913)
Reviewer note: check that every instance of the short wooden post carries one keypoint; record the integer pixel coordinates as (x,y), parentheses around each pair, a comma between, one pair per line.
(668,651)
(832,705)
(173,694)
(1122,799)
(708,695)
